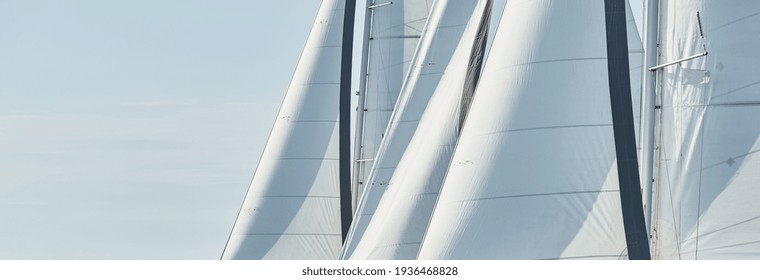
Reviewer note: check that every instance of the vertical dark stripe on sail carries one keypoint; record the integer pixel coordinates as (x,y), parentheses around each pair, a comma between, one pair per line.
(345,118)
(625,140)
(475,64)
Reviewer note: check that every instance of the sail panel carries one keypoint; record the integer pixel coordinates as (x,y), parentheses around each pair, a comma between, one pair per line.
(402,215)
(439,39)
(292,207)
(708,164)
(533,175)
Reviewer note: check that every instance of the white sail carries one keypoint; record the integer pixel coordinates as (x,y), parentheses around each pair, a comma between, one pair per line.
(396,229)
(440,36)
(292,208)
(708,165)
(394,31)
(533,175)
(635,60)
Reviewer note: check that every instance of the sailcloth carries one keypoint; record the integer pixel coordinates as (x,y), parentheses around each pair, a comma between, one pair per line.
(440,36)
(395,28)
(534,174)
(708,166)
(397,227)
(292,208)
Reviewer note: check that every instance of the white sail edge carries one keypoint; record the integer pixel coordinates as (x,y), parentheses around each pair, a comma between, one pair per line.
(393,32)
(397,228)
(292,208)
(434,51)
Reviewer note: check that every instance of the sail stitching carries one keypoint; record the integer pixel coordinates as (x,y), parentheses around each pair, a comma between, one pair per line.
(552,127)
(540,194)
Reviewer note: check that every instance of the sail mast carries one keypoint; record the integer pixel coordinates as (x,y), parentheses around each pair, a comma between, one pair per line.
(392,31)
(648,106)
(361,96)
(346,208)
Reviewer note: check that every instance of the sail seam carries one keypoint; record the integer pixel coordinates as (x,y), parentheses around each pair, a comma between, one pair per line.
(735,21)
(737,89)
(540,194)
(300,196)
(287,234)
(730,158)
(554,60)
(397,37)
(584,257)
(307,159)
(552,127)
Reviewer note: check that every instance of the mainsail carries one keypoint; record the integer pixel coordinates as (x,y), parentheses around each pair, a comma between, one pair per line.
(534,174)
(394,29)
(397,227)
(708,161)
(292,208)
(439,39)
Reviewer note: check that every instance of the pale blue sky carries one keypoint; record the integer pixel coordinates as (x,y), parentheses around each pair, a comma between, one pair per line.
(131,129)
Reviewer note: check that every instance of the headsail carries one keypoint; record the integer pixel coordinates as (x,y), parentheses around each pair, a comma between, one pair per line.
(394,31)
(292,208)
(708,165)
(397,227)
(441,34)
(534,174)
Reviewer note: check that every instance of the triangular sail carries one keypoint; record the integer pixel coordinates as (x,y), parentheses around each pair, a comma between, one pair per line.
(396,229)
(533,175)
(440,36)
(708,165)
(292,208)
(394,31)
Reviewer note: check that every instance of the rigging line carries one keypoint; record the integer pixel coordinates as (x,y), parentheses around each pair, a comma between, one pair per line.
(670,195)
(699,188)
(731,226)
(732,245)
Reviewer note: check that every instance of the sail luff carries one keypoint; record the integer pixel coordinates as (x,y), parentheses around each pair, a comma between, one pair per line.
(395,29)
(396,229)
(287,216)
(648,105)
(434,52)
(356,179)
